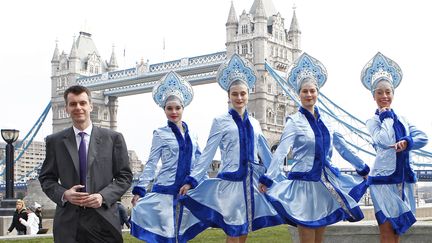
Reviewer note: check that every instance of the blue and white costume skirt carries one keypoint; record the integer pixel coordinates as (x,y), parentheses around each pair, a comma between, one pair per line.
(394,206)
(315,204)
(159,218)
(235,206)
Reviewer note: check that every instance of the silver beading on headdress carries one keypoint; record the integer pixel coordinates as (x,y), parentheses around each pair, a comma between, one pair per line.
(236,68)
(172,84)
(304,68)
(381,68)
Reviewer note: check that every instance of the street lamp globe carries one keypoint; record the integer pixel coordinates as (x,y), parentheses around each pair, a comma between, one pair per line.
(10,135)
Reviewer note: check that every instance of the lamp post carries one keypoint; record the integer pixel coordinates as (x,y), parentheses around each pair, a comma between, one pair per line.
(10,136)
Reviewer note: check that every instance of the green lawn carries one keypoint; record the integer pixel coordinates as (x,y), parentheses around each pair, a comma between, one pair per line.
(276,234)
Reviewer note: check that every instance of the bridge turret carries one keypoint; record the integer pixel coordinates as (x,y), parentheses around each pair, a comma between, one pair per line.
(74,61)
(260,42)
(112,65)
(231,30)
(294,35)
(55,61)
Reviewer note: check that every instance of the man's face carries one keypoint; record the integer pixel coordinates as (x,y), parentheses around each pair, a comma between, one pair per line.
(79,107)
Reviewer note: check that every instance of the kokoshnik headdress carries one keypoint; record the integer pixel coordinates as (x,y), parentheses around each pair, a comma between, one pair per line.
(236,68)
(172,84)
(381,68)
(304,68)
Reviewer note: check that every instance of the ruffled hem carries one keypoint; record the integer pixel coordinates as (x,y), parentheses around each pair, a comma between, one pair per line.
(150,237)
(213,218)
(332,218)
(358,191)
(399,224)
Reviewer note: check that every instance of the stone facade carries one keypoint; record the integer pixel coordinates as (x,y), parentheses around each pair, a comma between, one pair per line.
(83,60)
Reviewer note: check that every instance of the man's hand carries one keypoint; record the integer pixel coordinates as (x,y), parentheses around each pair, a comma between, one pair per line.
(135,199)
(93,201)
(184,189)
(73,196)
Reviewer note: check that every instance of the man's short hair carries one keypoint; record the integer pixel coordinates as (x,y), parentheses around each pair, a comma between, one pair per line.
(76,90)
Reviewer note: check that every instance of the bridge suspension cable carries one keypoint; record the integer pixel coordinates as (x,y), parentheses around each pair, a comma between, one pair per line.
(28,138)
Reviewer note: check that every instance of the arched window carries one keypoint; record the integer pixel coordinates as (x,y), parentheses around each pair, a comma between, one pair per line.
(244,48)
(270,115)
(94,115)
(269,89)
(244,29)
(280,115)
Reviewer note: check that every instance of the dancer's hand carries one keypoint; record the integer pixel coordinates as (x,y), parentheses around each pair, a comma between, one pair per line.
(400,146)
(135,199)
(184,189)
(262,188)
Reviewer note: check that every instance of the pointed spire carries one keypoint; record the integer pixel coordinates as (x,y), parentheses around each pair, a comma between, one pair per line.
(268,6)
(74,51)
(232,16)
(55,57)
(260,10)
(294,27)
(113,59)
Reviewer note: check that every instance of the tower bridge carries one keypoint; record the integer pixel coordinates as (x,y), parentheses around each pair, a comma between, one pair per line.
(259,35)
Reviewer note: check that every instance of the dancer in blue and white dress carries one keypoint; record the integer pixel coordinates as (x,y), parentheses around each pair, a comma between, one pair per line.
(157,216)
(232,200)
(315,193)
(392,177)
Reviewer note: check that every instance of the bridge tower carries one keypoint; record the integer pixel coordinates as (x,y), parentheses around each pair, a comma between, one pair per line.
(260,36)
(83,60)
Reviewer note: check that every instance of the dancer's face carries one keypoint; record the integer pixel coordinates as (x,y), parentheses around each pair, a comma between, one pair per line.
(308,95)
(383,94)
(239,96)
(174,111)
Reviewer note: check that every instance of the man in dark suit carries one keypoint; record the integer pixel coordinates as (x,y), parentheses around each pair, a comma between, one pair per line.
(85,172)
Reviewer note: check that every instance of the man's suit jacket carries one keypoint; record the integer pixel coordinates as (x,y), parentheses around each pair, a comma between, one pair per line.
(108,173)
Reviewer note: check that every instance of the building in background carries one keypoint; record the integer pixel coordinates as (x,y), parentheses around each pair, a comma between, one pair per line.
(259,35)
(135,163)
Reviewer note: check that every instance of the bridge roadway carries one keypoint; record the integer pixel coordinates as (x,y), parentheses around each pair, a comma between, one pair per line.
(197,70)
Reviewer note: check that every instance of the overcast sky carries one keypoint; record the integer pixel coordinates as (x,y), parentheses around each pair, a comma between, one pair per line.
(344,35)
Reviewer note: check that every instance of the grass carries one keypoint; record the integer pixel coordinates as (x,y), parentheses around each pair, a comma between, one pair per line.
(277,234)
